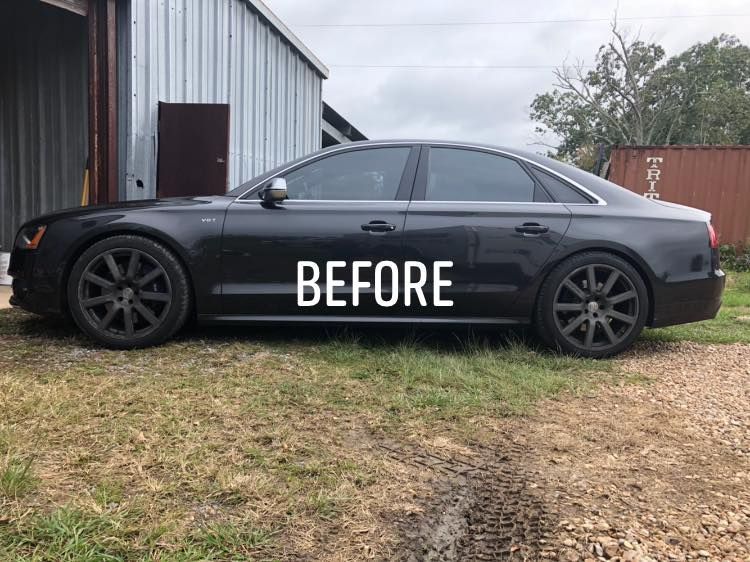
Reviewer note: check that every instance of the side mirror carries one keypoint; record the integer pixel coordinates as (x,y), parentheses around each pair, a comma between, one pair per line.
(274,191)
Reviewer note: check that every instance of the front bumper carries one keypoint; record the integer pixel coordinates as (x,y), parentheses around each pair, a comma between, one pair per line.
(34,289)
(688,301)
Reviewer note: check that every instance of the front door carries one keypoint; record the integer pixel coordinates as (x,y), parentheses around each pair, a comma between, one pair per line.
(346,206)
(488,215)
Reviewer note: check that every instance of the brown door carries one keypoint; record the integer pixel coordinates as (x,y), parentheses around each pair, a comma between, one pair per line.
(193,149)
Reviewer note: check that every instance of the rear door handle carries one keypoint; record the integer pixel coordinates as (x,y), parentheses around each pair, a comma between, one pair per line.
(532,228)
(378,226)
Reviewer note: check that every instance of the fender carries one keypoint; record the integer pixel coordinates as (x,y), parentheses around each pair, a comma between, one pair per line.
(112,229)
(197,247)
(525,304)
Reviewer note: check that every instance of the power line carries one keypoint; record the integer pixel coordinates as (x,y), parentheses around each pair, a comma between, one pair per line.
(513,22)
(502,66)
(452,66)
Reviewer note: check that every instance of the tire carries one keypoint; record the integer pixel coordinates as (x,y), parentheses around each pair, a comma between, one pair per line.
(128,291)
(567,308)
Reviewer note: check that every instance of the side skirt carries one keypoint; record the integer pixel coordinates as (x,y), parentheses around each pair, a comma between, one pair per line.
(214,319)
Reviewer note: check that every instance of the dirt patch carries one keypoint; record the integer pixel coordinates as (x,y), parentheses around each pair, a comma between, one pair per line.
(654,467)
(484,506)
(658,470)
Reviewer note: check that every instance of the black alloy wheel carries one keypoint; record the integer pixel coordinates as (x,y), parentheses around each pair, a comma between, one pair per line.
(125,292)
(128,294)
(595,305)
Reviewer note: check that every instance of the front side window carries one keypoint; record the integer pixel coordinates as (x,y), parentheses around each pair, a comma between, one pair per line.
(468,175)
(360,175)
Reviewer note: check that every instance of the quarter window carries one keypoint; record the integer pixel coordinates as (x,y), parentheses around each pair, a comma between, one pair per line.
(561,191)
(360,175)
(469,175)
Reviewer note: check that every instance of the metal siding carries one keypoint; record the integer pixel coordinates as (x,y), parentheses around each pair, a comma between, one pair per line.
(713,178)
(43,113)
(218,51)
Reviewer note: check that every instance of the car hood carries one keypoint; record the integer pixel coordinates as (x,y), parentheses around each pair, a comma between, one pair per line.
(125,206)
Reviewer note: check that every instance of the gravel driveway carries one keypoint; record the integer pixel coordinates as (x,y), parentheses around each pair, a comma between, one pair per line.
(658,470)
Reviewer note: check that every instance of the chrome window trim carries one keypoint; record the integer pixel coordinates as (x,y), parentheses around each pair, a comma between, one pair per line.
(343,147)
(286,201)
(457,202)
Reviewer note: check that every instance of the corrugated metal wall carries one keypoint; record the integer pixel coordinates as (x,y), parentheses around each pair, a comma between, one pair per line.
(43,112)
(217,51)
(713,178)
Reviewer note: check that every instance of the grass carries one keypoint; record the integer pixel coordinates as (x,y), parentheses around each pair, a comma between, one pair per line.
(253,445)
(227,446)
(16,477)
(731,325)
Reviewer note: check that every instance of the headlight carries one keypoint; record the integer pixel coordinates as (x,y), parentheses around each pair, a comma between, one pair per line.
(29,238)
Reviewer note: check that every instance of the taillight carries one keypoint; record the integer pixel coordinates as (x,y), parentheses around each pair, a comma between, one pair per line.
(712,238)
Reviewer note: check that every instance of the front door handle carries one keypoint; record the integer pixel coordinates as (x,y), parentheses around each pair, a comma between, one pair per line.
(378,226)
(532,228)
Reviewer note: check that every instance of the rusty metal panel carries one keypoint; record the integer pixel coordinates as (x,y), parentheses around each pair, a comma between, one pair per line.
(713,178)
(43,112)
(219,52)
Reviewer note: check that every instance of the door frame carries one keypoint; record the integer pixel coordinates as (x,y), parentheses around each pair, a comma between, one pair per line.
(103,126)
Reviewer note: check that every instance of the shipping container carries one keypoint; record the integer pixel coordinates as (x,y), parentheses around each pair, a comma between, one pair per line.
(713,178)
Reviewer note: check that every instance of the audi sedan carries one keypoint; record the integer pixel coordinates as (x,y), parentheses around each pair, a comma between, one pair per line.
(414,232)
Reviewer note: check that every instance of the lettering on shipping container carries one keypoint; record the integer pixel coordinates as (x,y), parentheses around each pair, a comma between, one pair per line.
(653,174)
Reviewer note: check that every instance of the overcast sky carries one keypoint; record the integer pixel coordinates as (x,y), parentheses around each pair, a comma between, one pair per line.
(490,105)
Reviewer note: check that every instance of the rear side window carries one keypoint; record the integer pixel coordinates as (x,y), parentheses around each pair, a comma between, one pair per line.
(360,175)
(468,175)
(561,191)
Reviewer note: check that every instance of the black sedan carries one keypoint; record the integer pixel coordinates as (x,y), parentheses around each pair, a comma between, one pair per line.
(381,232)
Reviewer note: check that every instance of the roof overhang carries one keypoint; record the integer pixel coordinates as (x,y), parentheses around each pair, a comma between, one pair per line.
(338,127)
(273,20)
(79,7)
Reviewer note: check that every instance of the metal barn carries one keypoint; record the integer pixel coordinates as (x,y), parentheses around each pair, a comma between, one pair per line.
(207,93)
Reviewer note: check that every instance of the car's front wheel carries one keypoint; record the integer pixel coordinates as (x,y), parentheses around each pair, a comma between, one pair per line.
(128,291)
(594,304)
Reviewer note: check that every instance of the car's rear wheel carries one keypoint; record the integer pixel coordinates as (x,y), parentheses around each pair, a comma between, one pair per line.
(128,291)
(594,304)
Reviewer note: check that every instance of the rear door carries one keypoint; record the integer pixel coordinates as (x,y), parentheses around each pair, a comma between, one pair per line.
(487,214)
(345,206)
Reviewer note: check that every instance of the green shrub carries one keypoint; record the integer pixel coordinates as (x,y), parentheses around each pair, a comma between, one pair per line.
(734,259)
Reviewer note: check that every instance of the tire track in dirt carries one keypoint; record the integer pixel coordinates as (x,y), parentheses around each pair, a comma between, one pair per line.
(484,509)
(643,470)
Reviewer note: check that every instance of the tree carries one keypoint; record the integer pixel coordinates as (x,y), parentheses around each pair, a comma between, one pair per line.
(712,82)
(633,96)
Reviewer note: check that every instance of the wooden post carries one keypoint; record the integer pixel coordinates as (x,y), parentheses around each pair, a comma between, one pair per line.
(102,101)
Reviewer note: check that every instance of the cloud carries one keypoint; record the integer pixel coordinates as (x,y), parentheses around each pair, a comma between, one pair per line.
(489,105)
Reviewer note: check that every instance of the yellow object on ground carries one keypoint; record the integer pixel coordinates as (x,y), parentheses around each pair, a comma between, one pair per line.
(85,190)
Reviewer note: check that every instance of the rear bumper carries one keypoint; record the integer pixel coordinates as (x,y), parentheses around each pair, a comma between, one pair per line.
(688,301)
